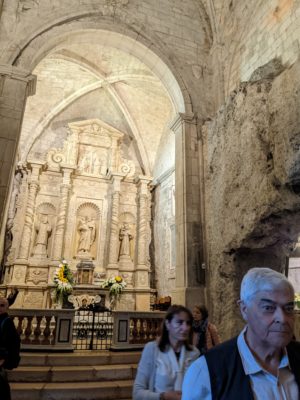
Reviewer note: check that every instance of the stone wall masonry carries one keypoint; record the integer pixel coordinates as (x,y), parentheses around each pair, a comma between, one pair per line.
(252,186)
(253,33)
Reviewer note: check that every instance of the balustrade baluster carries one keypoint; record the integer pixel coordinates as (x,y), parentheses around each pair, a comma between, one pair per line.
(20,326)
(131,328)
(151,330)
(28,330)
(46,332)
(33,327)
(147,326)
(142,331)
(37,331)
(138,329)
(134,331)
(24,326)
(53,326)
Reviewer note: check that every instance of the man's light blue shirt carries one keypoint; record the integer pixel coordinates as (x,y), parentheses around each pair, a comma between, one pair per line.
(265,386)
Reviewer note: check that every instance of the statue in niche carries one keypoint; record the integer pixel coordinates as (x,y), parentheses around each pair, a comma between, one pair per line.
(87,234)
(43,229)
(96,165)
(125,237)
(86,163)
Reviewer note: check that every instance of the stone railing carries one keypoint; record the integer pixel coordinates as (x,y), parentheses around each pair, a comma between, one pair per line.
(49,330)
(133,329)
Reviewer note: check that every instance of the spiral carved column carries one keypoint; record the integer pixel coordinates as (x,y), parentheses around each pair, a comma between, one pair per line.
(29,213)
(112,268)
(62,216)
(142,269)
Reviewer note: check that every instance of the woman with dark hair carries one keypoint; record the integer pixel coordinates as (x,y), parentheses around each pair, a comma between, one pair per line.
(205,334)
(164,362)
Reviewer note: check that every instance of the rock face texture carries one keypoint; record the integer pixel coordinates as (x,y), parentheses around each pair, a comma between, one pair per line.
(252,186)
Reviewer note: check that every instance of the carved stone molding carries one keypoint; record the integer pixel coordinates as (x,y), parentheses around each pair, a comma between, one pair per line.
(37,276)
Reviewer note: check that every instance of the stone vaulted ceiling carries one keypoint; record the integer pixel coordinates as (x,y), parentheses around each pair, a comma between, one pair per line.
(80,66)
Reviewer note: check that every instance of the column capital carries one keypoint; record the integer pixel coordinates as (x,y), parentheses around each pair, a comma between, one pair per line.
(143,179)
(116,179)
(35,171)
(66,172)
(143,184)
(20,74)
(189,118)
(67,169)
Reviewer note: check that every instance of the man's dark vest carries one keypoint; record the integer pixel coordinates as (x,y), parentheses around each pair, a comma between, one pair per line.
(227,377)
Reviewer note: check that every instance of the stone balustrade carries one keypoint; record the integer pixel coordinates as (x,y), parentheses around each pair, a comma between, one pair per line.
(133,329)
(52,329)
(44,329)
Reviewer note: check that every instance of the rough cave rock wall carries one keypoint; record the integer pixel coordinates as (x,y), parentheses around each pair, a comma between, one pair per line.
(252,187)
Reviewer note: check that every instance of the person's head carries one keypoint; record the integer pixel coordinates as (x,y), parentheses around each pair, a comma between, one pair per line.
(267,305)
(200,313)
(176,326)
(3,305)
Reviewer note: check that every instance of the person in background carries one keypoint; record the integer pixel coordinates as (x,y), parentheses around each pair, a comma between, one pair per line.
(205,334)
(263,362)
(9,348)
(164,362)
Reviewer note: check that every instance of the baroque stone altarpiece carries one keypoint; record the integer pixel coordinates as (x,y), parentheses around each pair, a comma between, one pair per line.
(85,204)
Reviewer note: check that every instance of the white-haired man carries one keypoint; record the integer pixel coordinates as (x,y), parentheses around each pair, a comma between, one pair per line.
(263,362)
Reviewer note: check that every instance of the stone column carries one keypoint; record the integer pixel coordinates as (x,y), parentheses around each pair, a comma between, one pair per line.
(112,268)
(33,187)
(114,160)
(15,85)
(188,206)
(143,240)
(62,214)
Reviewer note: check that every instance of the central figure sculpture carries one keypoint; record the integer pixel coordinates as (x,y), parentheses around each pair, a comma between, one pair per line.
(87,234)
(43,230)
(125,237)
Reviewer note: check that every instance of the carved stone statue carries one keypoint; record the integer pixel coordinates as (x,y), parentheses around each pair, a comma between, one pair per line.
(86,163)
(125,237)
(87,234)
(43,229)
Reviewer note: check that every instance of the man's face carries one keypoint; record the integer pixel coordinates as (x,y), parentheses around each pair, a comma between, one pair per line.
(270,318)
(3,305)
(179,327)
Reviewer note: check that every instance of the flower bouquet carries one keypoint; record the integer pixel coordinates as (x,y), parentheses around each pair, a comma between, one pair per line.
(64,281)
(115,285)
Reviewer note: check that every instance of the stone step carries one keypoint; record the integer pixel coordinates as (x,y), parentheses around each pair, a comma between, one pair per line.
(72,391)
(79,358)
(99,373)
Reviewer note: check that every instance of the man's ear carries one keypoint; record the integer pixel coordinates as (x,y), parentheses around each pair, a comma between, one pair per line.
(243,309)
